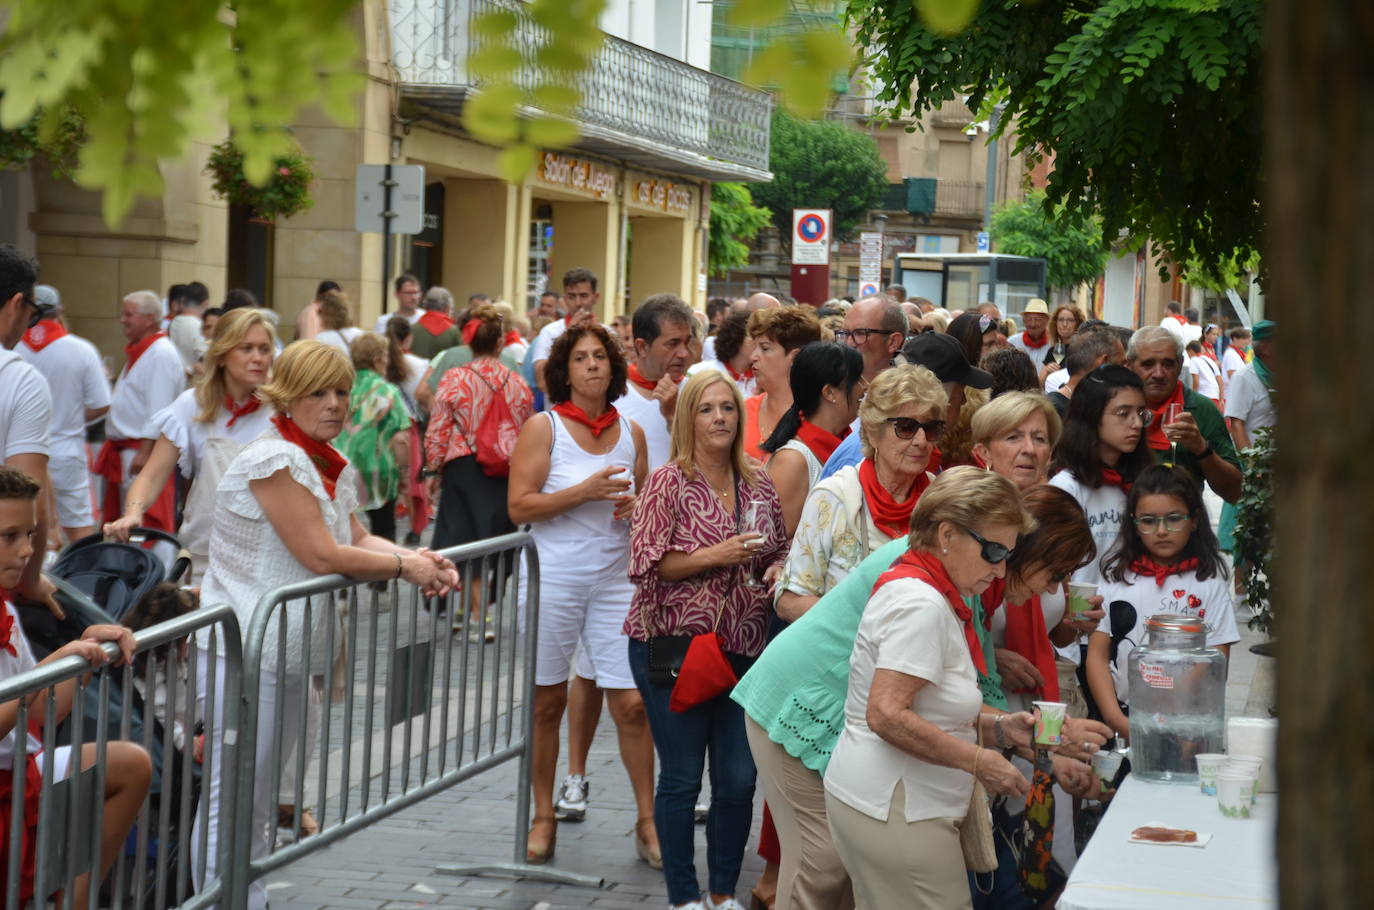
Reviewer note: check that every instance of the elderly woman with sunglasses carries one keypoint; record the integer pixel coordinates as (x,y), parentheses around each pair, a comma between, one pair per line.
(857,510)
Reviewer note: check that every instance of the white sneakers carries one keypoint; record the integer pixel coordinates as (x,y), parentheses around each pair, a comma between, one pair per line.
(728,904)
(572,799)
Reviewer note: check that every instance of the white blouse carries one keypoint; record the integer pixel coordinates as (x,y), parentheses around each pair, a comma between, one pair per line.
(248,558)
(178,423)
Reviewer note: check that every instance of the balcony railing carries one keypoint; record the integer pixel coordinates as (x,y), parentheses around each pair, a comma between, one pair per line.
(953,114)
(959,198)
(641,103)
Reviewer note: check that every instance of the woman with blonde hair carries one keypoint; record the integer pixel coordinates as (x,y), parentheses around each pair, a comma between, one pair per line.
(705,525)
(202,430)
(285,513)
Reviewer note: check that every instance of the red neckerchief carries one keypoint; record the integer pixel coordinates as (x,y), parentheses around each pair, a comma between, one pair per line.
(925,567)
(6,625)
(737,375)
(1154,435)
(1144,565)
(638,379)
(436,322)
(821,442)
(239,410)
(512,337)
(135,350)
(596,424)
(1112,478)
(1035,345)
(1027,636)
(891,517)
(936,463)
(1209,353)
(326,459)
(1179,319)
(470,329)
(45,333)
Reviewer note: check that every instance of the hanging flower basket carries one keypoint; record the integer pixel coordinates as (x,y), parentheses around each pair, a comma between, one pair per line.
(286,193)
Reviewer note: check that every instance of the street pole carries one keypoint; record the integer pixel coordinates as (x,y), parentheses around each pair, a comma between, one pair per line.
(990,196)
(387,215)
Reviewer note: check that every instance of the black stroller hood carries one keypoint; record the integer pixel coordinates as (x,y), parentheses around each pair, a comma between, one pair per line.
(115,575)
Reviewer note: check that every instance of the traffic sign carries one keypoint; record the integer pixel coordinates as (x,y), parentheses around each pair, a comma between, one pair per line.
(406,213)
(870,263)
(984,242)
(868,289)
(810,236)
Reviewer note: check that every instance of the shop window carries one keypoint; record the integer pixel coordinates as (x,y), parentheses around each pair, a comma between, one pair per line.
(427,247)
(251,249)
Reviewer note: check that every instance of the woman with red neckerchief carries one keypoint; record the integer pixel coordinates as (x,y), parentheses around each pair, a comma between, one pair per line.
(857,510)
(1101,451)
(573,479)
(778,334)
(827,386)
(204,428)
(285,513)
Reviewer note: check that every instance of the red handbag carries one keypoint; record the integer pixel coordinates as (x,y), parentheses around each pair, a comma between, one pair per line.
(705,673)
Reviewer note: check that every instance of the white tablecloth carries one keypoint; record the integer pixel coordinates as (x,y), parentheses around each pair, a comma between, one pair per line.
(1237,869)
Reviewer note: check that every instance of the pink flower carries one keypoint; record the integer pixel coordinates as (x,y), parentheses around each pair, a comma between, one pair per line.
(284,171)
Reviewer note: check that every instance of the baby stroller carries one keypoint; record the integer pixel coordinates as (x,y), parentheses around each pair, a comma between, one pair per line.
(100,582)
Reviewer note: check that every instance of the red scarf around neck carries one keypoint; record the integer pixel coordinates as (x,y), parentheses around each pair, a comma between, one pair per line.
(326,459)
(736,374)
(240,410)
(1032,343)
(1027,636)
(1112,478)
(45,333)
(638,379)
(512,337)
(1144,565)
(6,625)
(135,350)
(1154,435)
(821,442)
(925,567)
(891,517)
(436,322)
(597,425)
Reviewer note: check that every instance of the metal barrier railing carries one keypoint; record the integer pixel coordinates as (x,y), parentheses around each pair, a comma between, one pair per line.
(369,707)
(148,703)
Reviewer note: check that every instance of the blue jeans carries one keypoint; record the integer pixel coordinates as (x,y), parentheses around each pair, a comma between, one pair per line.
(683,740)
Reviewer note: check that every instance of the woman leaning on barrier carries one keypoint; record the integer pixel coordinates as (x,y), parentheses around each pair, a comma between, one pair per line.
(307,492)
(127,768)
(573,479)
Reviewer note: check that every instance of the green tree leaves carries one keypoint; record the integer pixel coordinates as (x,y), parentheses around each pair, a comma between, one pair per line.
(148,77)
(823,165)
(1151,108)
(735,221)
(1071,244)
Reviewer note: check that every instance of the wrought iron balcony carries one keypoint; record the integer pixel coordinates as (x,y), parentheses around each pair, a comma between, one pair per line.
(637,105)
(960,198)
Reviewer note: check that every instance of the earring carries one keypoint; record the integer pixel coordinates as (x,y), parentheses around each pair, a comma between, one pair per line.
(945,550)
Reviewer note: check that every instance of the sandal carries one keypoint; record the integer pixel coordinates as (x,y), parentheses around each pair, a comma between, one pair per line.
(286,818)
(539,857)
(651,855)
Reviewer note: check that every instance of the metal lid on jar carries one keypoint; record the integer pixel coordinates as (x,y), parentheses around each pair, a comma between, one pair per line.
(1175,622)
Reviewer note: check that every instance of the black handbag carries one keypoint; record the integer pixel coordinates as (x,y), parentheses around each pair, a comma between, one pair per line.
(666,653)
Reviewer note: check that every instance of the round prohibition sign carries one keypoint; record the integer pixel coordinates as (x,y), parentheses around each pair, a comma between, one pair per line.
(811,228)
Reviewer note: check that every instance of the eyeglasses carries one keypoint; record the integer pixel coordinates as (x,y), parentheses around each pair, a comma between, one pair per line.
(37,315)
(857,337)
(1144,415)
(992,552)
(1174,521)
(906,427)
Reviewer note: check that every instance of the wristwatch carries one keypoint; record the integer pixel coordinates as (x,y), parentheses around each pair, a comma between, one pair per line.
(1205,453)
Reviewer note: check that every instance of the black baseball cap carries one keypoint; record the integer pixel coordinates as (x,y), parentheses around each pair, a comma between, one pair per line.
(943,356)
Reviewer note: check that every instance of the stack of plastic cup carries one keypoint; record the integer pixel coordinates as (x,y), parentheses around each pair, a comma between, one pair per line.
(1208,764)
(1248,765)
(1234,789)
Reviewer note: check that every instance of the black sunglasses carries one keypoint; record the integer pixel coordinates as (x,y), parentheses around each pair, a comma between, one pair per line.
(906,427)
(37,315)
(992,552)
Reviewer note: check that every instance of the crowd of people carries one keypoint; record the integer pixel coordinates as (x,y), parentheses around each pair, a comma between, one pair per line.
(818,551)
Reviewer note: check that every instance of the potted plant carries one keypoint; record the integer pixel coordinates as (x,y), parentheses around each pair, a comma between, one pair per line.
(286,192)
(1254,532)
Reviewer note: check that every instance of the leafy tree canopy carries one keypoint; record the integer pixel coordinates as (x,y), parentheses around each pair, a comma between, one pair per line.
(1151,108)
(735,220)
(820,164)
(1070,244)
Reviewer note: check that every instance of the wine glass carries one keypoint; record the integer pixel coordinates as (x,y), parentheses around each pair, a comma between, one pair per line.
(756,520)
(1172,413)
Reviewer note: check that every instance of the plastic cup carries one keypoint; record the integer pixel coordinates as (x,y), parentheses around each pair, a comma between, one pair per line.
(1208,766)
(1049,724)
(1106,765)
(1079,593)
(1248,765)
(1233,794)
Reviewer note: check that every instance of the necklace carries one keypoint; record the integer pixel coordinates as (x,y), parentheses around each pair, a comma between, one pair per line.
(723,492)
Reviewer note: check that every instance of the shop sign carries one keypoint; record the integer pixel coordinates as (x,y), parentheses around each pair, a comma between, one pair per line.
(578,174)
(661,194)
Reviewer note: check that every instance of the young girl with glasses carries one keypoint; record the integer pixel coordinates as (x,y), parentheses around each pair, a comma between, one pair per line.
(1166,560)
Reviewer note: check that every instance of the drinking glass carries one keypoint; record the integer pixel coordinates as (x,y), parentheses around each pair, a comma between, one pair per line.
(755,520)
(1171,415)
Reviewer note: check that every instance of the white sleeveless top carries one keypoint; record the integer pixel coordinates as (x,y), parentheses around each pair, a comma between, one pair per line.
(813,464)
(586,543)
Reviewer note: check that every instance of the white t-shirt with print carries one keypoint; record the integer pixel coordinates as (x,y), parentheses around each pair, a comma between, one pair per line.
(1106,511)
(1209,601)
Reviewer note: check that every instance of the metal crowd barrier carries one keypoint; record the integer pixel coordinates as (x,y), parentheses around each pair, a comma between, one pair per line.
(368,707)
(157,706)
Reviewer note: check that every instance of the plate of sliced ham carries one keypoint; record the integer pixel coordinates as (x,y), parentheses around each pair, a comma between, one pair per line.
(1161,835)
